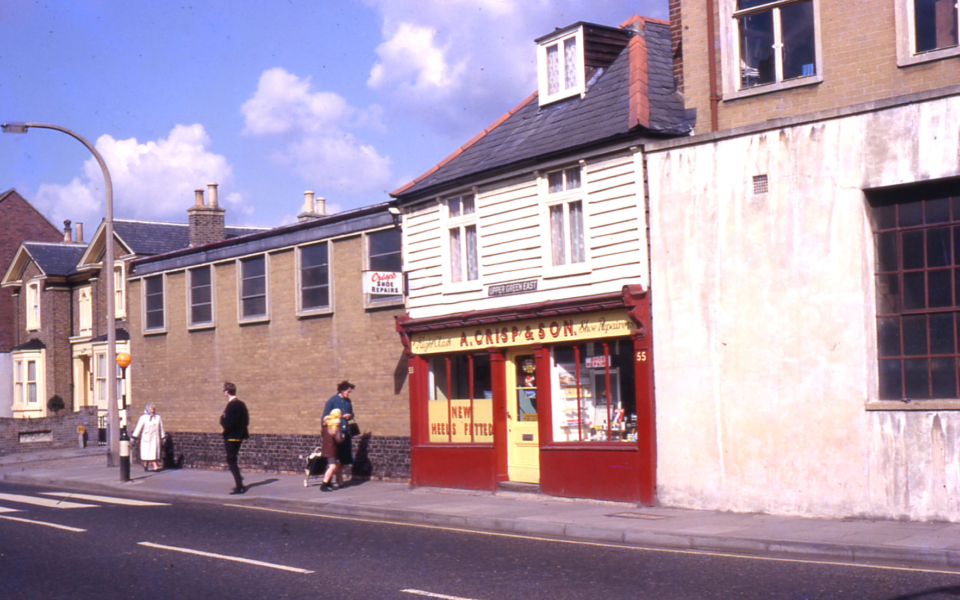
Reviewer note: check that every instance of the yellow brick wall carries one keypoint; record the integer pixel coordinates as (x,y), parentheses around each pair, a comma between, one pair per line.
(285,369)
(859,65)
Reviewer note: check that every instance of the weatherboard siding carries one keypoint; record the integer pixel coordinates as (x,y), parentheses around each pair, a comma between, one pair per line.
(514,245)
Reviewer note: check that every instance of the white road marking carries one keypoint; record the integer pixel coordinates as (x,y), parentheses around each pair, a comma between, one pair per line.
(225,557)
(432,595)
(19,520)
(50,503)
(4,509)
(107,499)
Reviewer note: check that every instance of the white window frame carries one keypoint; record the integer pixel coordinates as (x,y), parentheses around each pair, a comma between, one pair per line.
(371,301)
(33,305)
(163,287)
(298,281)
(460,222)
(564,198)
(119,290)
(559,39)
(85,308)
(21,381)
(188,280)
(730,50)
(100,381)
(907,55)
(259,318)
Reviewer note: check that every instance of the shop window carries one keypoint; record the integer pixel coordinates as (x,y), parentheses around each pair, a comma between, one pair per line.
(927,30)
(917,279)
(314,277)
(153,303)
(201,295)
(460,401)
(85,302)
(253,287)
(33,305)
(593,392)
(462,242)
(383,255)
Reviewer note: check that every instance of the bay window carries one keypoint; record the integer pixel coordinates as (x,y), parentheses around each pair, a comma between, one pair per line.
(460,400)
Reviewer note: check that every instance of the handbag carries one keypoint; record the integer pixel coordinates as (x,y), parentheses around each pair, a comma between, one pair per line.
(352,428)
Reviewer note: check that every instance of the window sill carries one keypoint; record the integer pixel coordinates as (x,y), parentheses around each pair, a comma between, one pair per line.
(255,320)
(384,304)
(583,268)
(155,331)
(914,405)
(772,87)
(201,327)
(316,312)
(926,57)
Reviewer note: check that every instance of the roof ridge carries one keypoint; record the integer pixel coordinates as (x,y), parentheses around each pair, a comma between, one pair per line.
(68,244)
(464,147)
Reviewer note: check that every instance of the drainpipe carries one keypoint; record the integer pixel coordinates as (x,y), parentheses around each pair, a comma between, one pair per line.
(712,57)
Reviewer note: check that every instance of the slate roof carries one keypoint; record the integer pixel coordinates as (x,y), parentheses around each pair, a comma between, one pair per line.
(530,133)
(55,259)
(146,238)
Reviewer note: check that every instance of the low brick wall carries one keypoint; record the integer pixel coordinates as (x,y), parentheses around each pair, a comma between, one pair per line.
(26,435)
(375,457)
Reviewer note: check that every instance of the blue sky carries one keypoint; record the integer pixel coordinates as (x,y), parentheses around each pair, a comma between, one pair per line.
(348,98)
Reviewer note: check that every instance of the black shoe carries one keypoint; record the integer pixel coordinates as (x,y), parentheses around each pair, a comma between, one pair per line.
(238,490)
(326,487)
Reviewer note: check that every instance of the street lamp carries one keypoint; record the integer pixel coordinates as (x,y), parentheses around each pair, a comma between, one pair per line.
(106,271)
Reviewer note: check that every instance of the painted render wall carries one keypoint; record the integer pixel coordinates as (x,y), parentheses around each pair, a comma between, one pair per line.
(764,313)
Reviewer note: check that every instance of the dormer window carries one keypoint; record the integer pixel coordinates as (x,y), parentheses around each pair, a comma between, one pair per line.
(560,65)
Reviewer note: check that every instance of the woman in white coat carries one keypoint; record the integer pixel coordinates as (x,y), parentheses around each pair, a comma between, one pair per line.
(150,431)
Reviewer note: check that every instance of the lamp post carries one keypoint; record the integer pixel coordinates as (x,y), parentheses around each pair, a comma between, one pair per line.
(106,271)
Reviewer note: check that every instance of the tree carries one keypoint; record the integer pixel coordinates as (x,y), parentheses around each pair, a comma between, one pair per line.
(55,403)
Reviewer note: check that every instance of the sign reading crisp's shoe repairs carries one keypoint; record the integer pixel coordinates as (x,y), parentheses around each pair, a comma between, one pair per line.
(614,323)
(382,283)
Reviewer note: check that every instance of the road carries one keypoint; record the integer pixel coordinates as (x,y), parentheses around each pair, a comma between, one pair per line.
(78,546)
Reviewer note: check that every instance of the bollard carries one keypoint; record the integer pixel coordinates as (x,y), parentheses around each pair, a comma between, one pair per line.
(124,454)
(82,436)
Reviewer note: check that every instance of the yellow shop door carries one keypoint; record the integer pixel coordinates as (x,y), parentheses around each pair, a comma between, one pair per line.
(523,439)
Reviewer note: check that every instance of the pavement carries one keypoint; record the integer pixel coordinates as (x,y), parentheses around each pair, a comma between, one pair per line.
(909,544)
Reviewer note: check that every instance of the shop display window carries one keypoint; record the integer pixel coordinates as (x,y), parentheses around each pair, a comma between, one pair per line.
(460,403)
(593,392)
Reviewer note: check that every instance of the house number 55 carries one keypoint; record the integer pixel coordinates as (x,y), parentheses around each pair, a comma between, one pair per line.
(641,355)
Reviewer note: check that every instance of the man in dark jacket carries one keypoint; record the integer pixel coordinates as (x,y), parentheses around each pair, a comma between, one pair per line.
(234,421)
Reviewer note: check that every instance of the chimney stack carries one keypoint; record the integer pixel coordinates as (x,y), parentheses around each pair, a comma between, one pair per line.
(312,207)
(67,232)
(206,220)
(79,236)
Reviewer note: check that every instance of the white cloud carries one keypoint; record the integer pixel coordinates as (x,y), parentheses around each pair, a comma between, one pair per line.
(456,65)
(313,128)
(151,180)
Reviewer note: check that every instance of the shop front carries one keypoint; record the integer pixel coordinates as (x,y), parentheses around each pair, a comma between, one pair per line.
(557,394)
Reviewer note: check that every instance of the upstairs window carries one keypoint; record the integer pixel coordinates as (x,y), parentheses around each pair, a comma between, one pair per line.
(383,255)
(201,295)
(86,311)
(560,65)
(927,30)
(314,277)
(153,303)
(33,305)
(253,287)
(119,292)
(462,238)
(565,216)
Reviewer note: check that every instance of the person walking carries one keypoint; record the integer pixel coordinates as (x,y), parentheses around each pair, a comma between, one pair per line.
(234,420)
(341,401)
(150,432)
(330,439)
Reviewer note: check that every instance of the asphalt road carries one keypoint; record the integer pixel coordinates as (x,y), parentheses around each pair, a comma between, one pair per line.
(108,550)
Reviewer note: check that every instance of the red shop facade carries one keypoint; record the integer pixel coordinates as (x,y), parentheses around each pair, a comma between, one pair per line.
(557,394)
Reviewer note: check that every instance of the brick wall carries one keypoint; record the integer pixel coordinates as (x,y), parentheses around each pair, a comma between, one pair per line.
(385,458)
(62,429)
(21,223)
(206,224)
(859,65)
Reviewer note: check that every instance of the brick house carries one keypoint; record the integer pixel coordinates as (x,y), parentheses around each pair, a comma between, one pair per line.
(526,253)
(804,249)
(283,314)
(20,222)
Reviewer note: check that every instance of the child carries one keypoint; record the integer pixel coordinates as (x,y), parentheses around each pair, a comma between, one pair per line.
(330,438)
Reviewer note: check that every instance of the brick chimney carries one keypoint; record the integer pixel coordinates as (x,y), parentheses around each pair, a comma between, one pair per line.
(312,207)
(206,218)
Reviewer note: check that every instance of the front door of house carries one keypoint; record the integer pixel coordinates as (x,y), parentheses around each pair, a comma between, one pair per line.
(523,443)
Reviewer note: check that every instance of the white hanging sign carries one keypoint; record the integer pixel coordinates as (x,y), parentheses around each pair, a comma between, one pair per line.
(382,283)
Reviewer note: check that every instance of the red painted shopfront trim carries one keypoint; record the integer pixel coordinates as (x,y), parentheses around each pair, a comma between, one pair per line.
(582,471)
(465,467)
(498,383)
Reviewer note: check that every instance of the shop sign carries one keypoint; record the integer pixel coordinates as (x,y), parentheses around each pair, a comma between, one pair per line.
(596,362)
(382,283)
(607,324)
(517,287)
